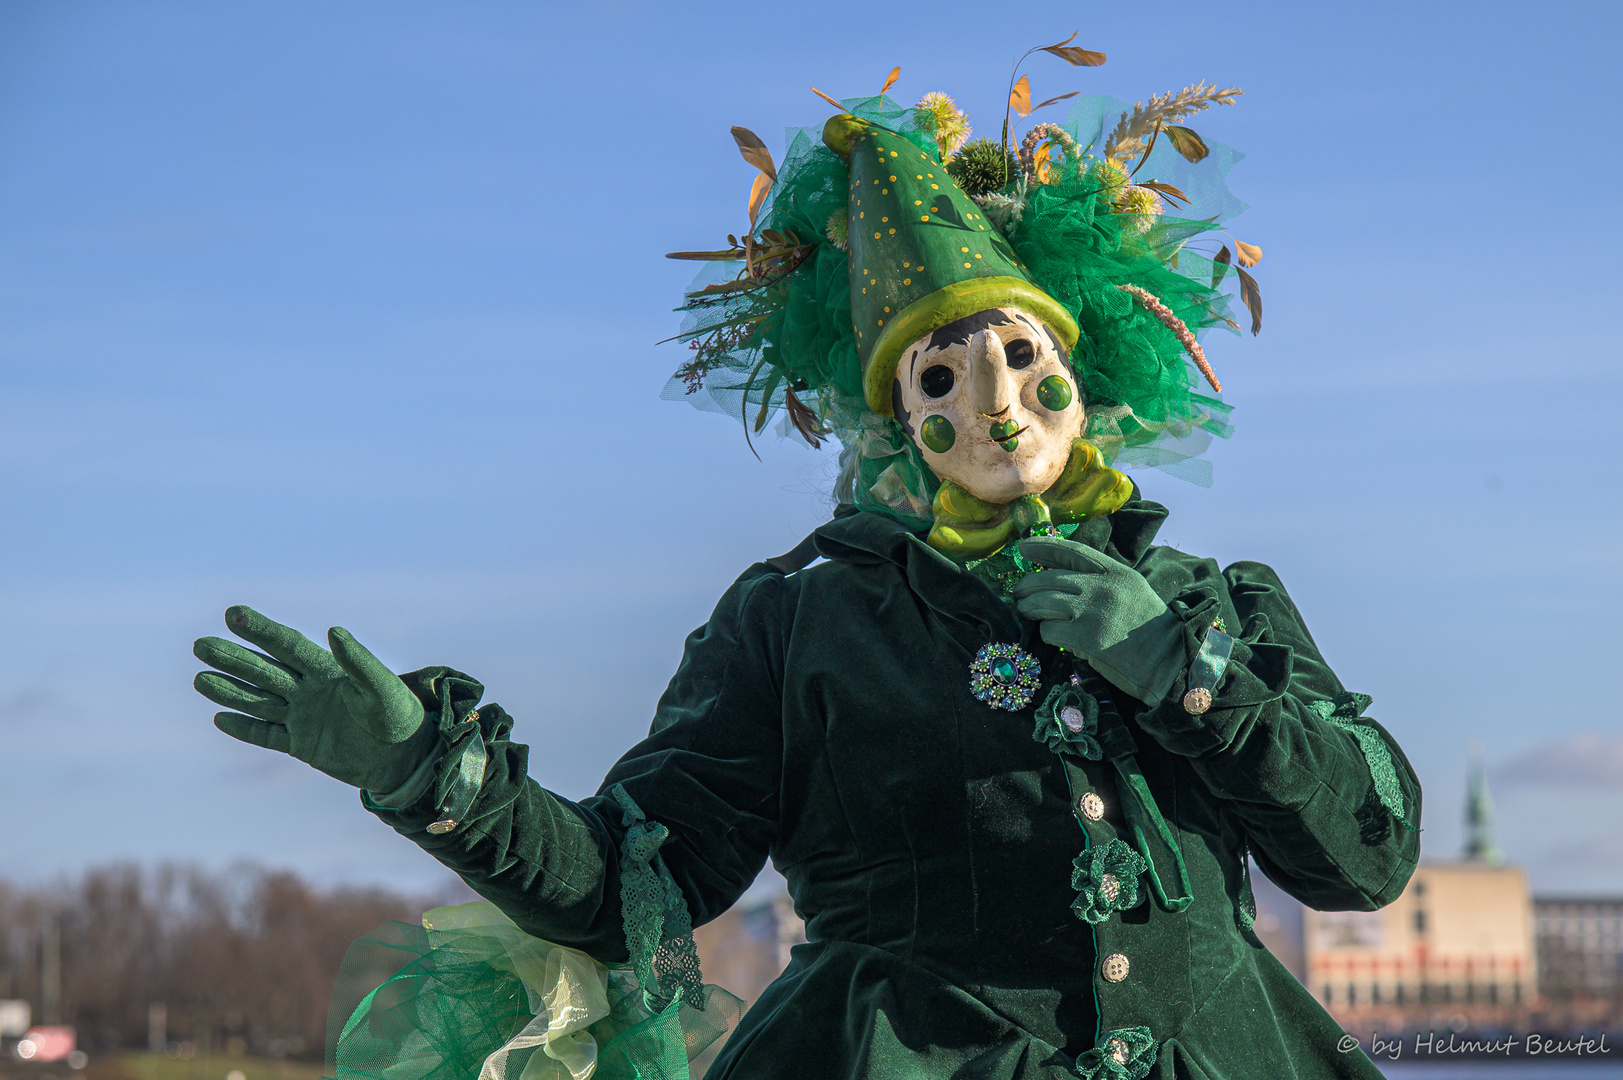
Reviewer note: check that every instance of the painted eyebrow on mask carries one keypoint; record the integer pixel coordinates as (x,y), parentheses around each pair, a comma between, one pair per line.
(1042,329)
(1045,329)
(959,333)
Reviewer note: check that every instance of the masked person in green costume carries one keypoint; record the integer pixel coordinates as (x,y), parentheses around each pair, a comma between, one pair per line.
(1009,753)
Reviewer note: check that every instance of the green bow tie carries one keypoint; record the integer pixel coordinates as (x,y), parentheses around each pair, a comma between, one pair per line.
(968,528)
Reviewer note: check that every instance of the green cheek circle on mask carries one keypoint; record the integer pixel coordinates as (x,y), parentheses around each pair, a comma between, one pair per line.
(1054,393)
(938,434)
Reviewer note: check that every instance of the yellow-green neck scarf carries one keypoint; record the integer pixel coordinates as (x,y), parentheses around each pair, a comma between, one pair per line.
(969,528)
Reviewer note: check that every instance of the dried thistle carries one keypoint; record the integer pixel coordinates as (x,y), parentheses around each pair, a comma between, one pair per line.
(982,166)
(1004,211)
(950,122)
(1110,177)
(838,229)
(1164,315)
(1140,205)
(1136,126)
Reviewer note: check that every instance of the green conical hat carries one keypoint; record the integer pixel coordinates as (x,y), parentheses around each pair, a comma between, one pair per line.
(922,253)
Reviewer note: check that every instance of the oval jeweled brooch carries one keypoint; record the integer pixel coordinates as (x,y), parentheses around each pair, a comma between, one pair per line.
(1005,676)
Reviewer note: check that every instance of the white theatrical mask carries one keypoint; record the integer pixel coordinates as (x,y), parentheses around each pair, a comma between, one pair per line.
(990,403)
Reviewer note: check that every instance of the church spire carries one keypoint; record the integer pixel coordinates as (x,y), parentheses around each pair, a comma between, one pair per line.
(1479,845)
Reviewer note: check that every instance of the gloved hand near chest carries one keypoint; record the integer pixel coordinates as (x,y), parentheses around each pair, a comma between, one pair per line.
(342,711)
(1105,612)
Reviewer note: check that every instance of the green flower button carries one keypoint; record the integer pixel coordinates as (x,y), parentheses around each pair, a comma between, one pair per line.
(1122,1054)
(1106,879)
(1067,720)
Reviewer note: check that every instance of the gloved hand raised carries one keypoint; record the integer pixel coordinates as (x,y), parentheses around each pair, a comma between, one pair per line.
(1105,612)
(340,711)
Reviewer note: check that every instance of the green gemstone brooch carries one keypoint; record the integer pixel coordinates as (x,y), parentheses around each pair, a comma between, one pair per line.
(1005,676)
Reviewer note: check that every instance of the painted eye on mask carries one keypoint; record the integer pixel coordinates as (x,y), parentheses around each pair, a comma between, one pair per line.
(1019,354)
(936,381)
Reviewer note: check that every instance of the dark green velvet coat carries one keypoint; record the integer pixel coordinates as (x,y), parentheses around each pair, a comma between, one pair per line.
(824,719)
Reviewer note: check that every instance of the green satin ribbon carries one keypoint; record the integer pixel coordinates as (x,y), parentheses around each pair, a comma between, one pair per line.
(1152,835)
(967,527)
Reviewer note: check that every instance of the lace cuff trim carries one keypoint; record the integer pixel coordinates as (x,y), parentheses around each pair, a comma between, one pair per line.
(1347,712)
(659,930)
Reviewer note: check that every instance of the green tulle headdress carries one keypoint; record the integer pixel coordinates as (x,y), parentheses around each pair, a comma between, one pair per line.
(1106,224)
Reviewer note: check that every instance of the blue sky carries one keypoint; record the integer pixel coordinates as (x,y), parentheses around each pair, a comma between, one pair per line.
(348,311)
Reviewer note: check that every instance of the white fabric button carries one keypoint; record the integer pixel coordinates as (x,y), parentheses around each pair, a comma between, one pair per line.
(1091,806)
(1072,718)
(1114,969)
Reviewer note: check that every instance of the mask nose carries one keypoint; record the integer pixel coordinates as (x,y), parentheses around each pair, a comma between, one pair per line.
(993,390)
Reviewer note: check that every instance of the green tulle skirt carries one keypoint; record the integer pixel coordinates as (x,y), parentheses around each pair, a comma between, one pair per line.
(467,995)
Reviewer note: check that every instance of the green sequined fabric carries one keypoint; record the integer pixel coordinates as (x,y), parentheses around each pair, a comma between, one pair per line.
(1004,568)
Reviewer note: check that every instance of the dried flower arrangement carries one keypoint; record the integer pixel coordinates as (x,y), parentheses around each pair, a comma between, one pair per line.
(999,175)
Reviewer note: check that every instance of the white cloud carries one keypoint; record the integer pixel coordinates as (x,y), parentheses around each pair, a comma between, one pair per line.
(1589,760)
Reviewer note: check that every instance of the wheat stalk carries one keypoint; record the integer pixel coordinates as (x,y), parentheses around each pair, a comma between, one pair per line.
(1185,337)
(1135,126)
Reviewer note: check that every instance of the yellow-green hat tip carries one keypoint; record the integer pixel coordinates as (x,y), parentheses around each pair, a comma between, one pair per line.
(840,131)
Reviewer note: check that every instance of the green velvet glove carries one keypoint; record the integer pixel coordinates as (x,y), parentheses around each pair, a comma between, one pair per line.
(340,711)
(1093,606)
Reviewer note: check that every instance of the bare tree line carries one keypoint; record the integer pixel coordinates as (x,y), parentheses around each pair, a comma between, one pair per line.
(239,960)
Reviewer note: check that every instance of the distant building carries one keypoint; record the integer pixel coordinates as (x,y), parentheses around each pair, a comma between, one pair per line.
(1461,934)
(1580,947)
(1479,845)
